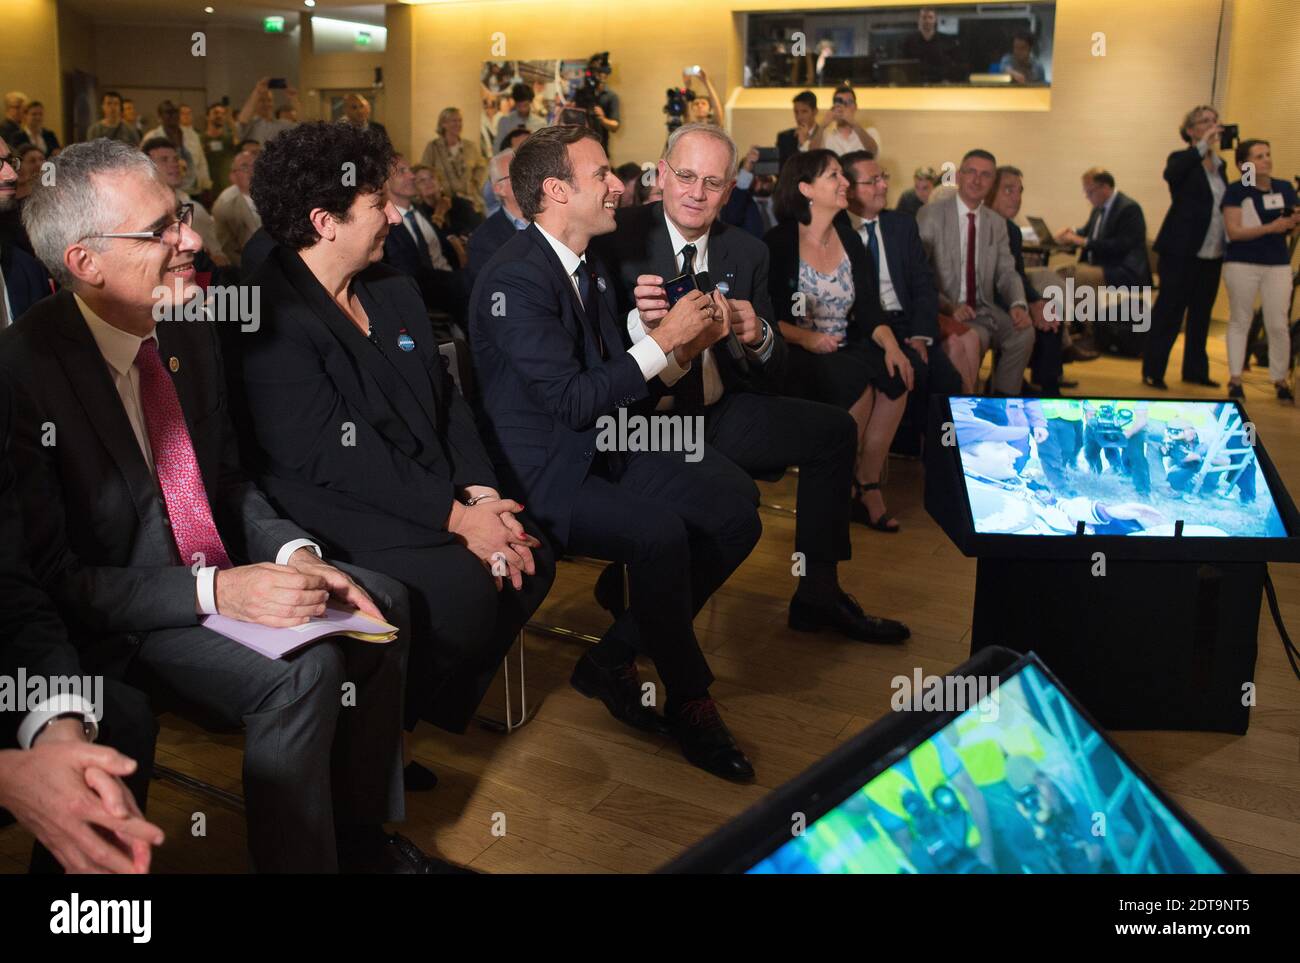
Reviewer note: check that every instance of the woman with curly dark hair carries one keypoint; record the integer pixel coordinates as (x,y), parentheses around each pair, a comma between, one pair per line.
(360,432)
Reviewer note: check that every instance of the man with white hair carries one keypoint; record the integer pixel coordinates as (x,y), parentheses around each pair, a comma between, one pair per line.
(234,212)
(501,226)
(140,524)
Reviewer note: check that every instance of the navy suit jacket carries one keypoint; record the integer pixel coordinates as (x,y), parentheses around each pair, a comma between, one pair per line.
(545,384)
(911,275)
(486,241)
(1191,204)
(1121,250)
(24,279)
(400,250)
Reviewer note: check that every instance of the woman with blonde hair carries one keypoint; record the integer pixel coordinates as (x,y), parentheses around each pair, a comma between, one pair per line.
(459,164)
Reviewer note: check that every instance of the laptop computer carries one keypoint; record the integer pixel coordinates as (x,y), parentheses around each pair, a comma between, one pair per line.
(1046,239)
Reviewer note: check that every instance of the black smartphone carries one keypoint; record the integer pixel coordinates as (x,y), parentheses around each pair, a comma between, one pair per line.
(679,287)
(278,83)
(1228,137)
(769,162)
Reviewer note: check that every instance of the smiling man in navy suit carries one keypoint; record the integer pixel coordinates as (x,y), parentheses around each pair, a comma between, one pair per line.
(555,363)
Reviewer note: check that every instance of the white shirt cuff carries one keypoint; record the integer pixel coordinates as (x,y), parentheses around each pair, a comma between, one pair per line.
(205,585)
(922,338)
(282,556)
(649,357)
(635,329)
(49,710)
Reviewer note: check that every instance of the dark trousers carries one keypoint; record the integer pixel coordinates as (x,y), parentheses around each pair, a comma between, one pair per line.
(1133,454)
(681,529)
(128,725)
(1045,363)
(767,433)
(322,746)
(1188,286)
(461,626)
(1061,451)
(444,291)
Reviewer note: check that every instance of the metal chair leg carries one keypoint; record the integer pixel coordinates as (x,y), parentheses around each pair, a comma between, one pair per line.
(525,714)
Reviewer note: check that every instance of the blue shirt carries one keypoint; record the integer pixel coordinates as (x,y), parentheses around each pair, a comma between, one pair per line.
(1260,207)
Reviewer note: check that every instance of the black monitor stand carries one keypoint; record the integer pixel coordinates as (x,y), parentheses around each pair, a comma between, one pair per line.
(1148,645)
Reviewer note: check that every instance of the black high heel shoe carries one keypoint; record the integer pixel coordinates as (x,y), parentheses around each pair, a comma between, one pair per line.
(863,517)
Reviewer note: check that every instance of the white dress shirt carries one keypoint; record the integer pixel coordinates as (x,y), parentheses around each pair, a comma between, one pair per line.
(649,357)
(428,236)
(842,140)
(6,306)
(673,372)
(119,349)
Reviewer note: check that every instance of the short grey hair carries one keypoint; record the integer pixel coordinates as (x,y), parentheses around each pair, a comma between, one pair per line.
(499,161)
(74,205)
(710,130)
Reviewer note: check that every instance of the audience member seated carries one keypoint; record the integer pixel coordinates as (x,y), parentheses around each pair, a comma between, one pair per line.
(11,126)
(1258,264)
(739,207)
(924,181)
(140,523)
(973,267)
(234,212)
(800,136)
(257,120)
(1113,244)
(501,226)
(1021,63)
(487,130)
(357,111)
(448,212)
(132,119)
(1045,362)
(163,154)
(344,340)
(34,131)
(747,425)
(82,802)
(418,249)
(906,283)
(553,357)
(461,169)
(938,55)
(521,115)
(113,125)
(30,160)
(195,178)
(629,176)
(825,293)
(12,234)
(490,202)
(844,134)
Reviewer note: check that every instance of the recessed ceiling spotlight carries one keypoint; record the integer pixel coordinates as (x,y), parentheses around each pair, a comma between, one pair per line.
(208,10)
(309,3)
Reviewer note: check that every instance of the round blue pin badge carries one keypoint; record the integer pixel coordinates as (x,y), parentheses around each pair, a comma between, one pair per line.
(405,341)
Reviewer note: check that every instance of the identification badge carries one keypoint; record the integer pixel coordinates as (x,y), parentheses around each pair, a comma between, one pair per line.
(405,341)
(1274,202)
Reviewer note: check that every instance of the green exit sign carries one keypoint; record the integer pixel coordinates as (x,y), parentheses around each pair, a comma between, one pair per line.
(363,38)
(273,24)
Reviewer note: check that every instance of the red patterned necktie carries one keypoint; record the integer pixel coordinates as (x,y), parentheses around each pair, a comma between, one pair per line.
(970,259)
(192,523)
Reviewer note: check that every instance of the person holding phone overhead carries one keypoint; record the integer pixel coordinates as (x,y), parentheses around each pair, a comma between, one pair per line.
(1259,211)
(1190,245)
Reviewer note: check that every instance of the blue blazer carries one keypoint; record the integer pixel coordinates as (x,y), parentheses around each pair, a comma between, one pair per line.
(25,279)
(912,277)
(544,382)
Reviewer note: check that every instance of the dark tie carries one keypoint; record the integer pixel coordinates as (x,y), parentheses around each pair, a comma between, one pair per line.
(688,258)
(873,244)
(970,259)
(176,465)
(421,247)
(591,306)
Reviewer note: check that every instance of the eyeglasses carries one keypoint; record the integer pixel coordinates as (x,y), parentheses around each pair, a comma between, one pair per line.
(167,234)
(881,178)
(841,102)
(687,178)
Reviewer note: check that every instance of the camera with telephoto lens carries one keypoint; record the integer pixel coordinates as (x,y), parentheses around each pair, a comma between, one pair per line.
(675,108)
(941,831)
(1108,424)
(1052,828)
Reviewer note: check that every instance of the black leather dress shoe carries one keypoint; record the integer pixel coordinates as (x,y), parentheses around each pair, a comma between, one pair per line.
(846,617)
(706,741)
(393,853)
(1158,383)
(609,589)
(620,690)
(418,778)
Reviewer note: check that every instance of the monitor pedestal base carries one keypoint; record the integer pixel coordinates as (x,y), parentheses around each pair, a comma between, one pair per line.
(1148,645)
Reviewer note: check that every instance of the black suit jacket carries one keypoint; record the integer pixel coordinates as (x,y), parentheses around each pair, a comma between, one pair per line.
(312,381)
(787,145)
(402,253)
(641,245)
(912,276)
(1191,204)
(96,525)
(1121,250)
(486,241)
(1016,239)
(545,384)
(31,635)
(24,278)
(783,278)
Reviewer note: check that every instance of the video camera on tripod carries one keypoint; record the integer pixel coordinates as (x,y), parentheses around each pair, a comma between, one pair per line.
(581,107)
(1107,426)
(941,831)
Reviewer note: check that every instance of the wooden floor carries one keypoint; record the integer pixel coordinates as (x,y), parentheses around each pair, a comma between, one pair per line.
(576,792)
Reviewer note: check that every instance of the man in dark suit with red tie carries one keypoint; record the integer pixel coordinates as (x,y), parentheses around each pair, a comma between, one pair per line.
(139,522)
(554,361)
